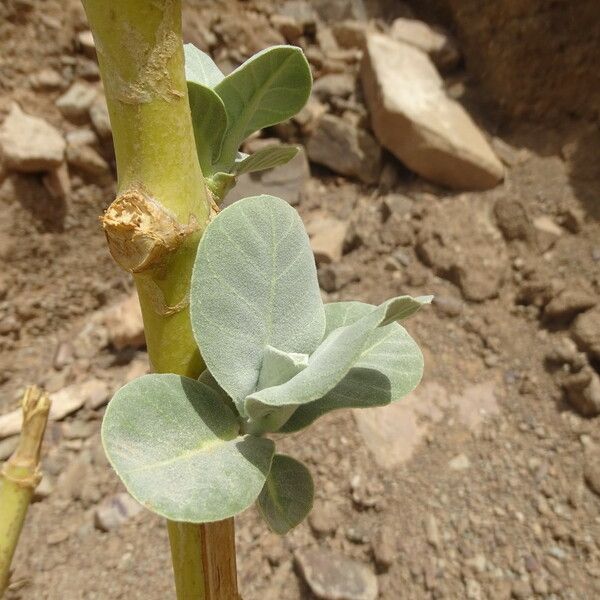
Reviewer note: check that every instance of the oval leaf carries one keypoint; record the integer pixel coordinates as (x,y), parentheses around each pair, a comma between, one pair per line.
(389,367)
(200,67)
(329,364)
(269,88)
(176,446)
(254,285)
(287,497)
(265,158)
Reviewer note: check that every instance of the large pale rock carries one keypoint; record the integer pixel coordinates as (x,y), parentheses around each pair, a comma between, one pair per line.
(345,149)
(434,42)
(327,236)
(414,118)
(29,144)
(77,100)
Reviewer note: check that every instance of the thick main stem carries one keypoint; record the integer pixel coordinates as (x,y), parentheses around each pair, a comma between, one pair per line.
(19,477)
(154,226)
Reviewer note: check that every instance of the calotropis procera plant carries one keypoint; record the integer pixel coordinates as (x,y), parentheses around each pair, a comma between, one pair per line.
(277,359)
(194,443)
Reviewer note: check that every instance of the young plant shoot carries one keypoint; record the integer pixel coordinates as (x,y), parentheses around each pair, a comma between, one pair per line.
(277,359)
(240,341)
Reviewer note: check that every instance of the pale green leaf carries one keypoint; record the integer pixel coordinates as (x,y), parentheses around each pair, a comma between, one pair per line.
(277,367)
(177,447)
(209,121)
(271,407)
(389,367)
(269,88)
(265,158)
(254,285)
(209,117)
(200,67)
(287,496)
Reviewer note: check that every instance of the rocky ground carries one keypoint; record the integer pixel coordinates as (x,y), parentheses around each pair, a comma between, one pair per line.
(485,482)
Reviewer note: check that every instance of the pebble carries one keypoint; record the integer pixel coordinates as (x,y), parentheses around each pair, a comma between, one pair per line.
(460,462)
(432,531)
(87,160)
(124,324)
(324,519)
(29,144)
(332,576)
(100,118)
(77,100)
(115,511)
(592,470)
(383,546)
(327,236)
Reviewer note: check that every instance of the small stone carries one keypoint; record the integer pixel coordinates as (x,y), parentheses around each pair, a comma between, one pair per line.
(44,488)
(512,219)
(414,118)
(334,85)
(432,531)
(81,137)
(324,519)
(327,236)
(345,149)
(75,103)
(334,276)
(57,537)
(460,462)
(289,28)
(521,590)
(384,548)
(115,511)
(85,41)
(125,325)
(586,332)
(592,470)
(47,79)
(63,356)
(87,160)
(573,219)
(332,576)
(478,563)
(569,303)
(583,391)
(350,34)
(8,446)
(100,118)
(547,232)
(29,144)
(473,590)
(434,42)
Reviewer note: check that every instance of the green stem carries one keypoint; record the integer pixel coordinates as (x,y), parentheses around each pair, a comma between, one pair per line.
(154,226)
(19,477)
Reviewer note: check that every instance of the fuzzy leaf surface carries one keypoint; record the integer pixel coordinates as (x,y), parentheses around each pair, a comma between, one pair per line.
(328,365)
(277,366)
(200,67)
(176,445)
(287,496)
(254,284)
(389,367)
(209,117)
(268,88)
(265,158)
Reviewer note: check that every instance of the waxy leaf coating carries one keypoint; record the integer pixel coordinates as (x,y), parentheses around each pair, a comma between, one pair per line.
(177,447)
(388,368)
(254,285)
(287,497)
(327,366)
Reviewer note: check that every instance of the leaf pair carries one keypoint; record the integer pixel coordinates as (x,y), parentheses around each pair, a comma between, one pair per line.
(267,89)
(277,359)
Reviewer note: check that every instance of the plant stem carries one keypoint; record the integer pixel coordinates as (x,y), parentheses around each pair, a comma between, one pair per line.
(154,226)
(20,476)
